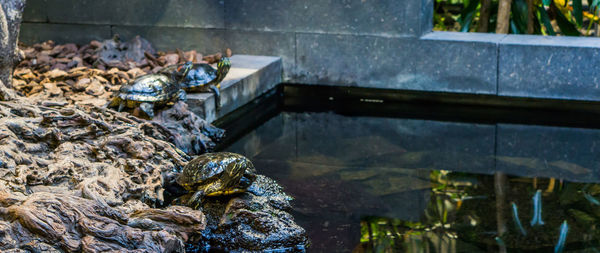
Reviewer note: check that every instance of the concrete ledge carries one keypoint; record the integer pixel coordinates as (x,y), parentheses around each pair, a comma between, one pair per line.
(346,60)
(549,67)
(458,62)
(382,17)
(249,77)
(168,38)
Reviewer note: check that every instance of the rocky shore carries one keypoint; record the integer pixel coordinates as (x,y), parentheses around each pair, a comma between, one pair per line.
(75,176)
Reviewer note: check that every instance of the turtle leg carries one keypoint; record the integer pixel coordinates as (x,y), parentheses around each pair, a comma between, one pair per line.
(121,106)
(148,108)
(112,103)
(182,95)
(215,90)
(195,201)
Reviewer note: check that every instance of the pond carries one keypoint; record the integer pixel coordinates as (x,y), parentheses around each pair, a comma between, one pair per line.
(416,177)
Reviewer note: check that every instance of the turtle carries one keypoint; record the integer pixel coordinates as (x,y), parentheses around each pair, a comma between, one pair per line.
(216,174)
(151,89)
(204,78)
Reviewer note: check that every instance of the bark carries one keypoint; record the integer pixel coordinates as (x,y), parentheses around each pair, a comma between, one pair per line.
(503,16)
(11,15)
(500,188)
(530,16)
(484,17)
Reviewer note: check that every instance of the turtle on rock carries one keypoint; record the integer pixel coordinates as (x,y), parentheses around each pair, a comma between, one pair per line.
(153,89)
(204,78)
(216,174)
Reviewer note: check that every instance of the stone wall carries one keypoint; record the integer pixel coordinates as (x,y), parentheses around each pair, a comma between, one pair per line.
(366,43)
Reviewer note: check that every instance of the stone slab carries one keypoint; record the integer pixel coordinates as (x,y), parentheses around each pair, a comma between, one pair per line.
(281,44)
(560,67)
(457,62)
(490,38)
(35,11)
(347,60)
(176,13)
(205,41)
(98,12)
(173,13)
(382,17)
(425,18)
(62,33)
(544,151)
(249,77)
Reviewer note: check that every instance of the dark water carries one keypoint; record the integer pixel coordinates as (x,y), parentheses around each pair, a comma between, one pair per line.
(376,184)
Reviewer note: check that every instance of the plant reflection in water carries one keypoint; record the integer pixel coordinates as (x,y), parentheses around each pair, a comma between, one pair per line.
(460,217)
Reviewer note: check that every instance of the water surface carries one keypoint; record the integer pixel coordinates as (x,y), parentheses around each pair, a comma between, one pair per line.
(367,184)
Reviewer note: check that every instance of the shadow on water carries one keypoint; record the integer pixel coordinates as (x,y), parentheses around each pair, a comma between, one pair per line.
(428,182)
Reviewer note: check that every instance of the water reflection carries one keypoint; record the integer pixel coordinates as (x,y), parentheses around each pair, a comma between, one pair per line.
(367,184)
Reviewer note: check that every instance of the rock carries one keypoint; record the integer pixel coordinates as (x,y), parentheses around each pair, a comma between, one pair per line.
(82,84)
(254,221)
(136,48)
(95,88)
(56,74)
(171,59)
(110,51)
(190,55)
(52,89)
(187,130)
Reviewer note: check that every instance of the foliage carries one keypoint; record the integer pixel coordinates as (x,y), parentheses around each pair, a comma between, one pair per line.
(549,17)
(461,216)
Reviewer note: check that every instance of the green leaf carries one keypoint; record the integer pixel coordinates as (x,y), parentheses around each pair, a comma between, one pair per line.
(578,12)
(514,28)
(546,2)
(466,16)
(546,20)
(594,5)
(519,15)
(566,27)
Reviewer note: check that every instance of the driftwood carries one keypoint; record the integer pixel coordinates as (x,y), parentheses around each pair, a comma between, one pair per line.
(84,178)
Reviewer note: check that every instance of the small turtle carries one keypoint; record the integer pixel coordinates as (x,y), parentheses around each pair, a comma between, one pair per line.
(216,174)
(204,78)
(152,89)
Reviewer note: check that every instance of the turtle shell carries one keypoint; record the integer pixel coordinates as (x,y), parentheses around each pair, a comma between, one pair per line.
(149,88)
(228,168)
(199,75)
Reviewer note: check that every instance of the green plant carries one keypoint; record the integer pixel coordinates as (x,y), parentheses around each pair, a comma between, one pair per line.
(545,17)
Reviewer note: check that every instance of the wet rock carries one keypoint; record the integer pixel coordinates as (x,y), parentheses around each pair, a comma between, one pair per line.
(254,221)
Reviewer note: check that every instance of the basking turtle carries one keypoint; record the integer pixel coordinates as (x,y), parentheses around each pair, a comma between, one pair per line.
(216,174)
(152,89)
(204,78)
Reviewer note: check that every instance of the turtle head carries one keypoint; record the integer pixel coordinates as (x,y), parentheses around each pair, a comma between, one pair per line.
(183,69)
(222,68)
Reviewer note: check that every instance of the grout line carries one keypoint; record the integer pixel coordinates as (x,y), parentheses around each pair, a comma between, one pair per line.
(497,68)
(295,52)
